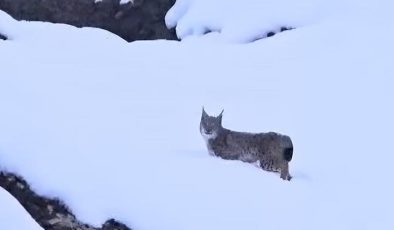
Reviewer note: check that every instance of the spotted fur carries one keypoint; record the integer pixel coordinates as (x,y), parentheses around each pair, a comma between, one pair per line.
(271,151)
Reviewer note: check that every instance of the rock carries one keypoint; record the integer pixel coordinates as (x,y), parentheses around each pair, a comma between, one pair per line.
(3,37)
(112,224)
(135,20)
(49,213)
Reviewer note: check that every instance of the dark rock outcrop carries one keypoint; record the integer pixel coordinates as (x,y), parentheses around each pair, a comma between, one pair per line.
(3,37)
(49,213)
(136,20)
(272,33)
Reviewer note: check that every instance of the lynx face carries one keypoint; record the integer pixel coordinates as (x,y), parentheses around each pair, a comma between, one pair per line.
(209,126)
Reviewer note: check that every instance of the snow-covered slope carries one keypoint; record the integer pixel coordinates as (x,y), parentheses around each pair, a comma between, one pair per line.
(12,214)
(112,127)
(52,34)
(241,21)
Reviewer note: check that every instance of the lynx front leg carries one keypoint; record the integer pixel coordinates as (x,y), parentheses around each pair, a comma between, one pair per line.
(284,171)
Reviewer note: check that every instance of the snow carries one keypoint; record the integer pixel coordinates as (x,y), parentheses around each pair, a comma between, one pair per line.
(126,1)
(232,18)
(12,214)
(112,128)
(120,2)
(33,33)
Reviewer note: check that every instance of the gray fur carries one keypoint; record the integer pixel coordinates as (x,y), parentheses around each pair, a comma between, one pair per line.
(272,151)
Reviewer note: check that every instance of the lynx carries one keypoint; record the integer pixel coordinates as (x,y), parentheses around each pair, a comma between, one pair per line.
(271,151)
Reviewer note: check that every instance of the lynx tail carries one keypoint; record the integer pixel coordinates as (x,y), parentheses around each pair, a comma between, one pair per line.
(288,154)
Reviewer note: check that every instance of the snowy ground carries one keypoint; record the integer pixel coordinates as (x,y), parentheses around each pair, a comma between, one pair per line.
(13,216)
(112,127)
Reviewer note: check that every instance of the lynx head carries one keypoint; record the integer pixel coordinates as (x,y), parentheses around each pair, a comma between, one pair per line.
(210,126)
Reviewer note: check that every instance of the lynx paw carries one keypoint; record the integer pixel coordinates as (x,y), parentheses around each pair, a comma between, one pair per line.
(287,177)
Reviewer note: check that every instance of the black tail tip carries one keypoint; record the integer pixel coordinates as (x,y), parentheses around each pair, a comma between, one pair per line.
(288,154)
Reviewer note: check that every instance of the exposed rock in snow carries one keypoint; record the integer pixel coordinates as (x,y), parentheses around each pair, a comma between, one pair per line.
(50,213)
(131,20)
(3,37)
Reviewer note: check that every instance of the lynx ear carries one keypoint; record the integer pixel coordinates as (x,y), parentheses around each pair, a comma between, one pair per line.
(204,114)
(220,116)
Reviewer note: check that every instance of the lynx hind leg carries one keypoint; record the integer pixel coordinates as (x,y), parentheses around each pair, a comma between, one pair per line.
(269,165)
(284,171)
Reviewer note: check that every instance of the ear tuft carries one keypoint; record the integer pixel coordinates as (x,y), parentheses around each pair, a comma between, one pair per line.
(204,114)
(221,113)
(220,116)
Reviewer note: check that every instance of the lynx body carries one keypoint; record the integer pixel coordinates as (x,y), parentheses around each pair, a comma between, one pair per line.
(270,151)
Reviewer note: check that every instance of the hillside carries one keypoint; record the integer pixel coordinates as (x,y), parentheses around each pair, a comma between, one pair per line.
(111,128)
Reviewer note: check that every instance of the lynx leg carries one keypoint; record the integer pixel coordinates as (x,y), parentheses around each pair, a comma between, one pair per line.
(284,171)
